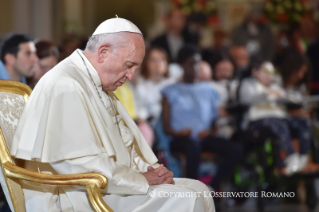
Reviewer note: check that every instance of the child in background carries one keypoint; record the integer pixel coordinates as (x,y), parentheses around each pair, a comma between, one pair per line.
(266,111)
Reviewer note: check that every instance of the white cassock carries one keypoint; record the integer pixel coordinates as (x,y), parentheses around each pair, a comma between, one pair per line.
(66,128)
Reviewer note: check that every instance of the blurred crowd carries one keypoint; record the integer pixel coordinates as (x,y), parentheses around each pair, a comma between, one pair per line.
(249,86)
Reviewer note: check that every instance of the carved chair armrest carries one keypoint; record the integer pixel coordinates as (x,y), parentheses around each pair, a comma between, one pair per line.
(93,182)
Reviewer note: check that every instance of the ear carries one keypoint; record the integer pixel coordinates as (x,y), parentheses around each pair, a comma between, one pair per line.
(9,58)
(103,52)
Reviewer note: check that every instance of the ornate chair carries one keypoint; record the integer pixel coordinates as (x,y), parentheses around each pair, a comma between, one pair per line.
(13,97)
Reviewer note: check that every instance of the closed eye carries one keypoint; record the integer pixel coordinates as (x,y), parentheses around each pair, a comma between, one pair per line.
(130,65)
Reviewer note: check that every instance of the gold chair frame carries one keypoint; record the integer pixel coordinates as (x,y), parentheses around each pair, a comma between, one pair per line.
(12,173)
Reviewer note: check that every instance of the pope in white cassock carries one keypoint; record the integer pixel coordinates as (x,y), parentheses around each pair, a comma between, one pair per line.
(73,123)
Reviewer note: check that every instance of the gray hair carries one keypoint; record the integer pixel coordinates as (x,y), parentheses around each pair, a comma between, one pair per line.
(110,38)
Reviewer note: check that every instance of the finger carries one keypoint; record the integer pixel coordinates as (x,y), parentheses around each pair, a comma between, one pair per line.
(153,182)
(169,181)
(159,169)
(161,180)
(150,168)
(169,175)
(163,172)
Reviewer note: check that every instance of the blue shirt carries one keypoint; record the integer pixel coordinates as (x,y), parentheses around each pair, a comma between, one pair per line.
(192,106)
(5,76)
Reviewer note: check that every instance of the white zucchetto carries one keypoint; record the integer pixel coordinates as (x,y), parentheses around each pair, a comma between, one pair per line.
(114,25)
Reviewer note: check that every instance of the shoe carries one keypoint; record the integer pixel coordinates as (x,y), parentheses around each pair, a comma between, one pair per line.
(303,161)
(295,163)
(292,164)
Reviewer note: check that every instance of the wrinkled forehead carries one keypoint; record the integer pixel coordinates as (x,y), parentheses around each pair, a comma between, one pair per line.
(133,49)
(130,40)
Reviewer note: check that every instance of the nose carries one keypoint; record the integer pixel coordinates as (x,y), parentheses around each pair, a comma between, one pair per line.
(130,74)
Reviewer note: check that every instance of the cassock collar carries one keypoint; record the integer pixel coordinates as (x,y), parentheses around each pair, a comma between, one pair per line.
(92,70)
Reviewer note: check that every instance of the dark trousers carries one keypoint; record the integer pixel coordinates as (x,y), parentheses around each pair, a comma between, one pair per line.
(286,129)
(230,152)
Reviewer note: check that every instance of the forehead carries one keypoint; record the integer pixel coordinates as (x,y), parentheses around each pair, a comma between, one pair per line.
(226,64)
(238,50)
(134,48)
(27,46)
(176,13)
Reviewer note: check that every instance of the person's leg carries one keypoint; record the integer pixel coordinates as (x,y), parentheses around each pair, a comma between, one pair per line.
(257,135)
(186,195)
(199,187)
(279,129)
(191,149)
(303,131)
(302,128)
(230,152)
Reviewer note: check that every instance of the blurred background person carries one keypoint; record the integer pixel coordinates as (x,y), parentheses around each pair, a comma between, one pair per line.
(240,56)
(295,75)
(172,40)
(189,109)
(263,95)
(18,57)
(154,77)
(218,78)
(48,55)
(217,49)
(256,35)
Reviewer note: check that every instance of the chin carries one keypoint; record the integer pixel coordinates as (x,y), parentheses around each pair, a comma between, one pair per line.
(112,88)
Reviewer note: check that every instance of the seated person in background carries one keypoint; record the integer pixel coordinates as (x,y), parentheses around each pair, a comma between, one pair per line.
(222,73)
(189,109)
(219,78)
(173,38)
(240,57)
(18,57)
(154,77)
(48,55)
(295,77)
(266,112)
(205,75)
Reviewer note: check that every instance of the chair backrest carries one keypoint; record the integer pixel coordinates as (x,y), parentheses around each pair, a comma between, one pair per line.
(13,97)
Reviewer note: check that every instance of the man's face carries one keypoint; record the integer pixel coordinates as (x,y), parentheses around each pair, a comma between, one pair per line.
(25,60)
(121,62)
(224,70)
(177,20)
(240,56)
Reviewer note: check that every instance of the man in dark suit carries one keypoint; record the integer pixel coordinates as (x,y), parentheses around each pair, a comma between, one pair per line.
(172,40)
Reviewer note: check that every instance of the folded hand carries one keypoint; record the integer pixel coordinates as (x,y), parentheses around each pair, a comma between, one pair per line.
(158,176)
(184,132)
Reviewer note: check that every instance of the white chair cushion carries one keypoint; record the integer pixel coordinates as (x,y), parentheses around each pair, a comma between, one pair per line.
(11,107)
